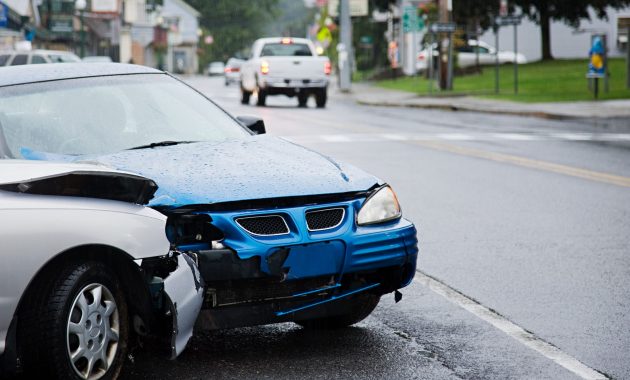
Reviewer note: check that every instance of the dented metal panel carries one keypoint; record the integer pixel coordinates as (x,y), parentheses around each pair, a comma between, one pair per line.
(344,249)
(184,289)
(75,180)
(216,172)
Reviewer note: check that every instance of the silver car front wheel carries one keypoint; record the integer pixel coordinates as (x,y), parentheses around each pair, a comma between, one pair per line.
(76,325)
(93,331)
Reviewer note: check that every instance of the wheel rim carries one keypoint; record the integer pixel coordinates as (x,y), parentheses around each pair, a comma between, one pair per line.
(92,331)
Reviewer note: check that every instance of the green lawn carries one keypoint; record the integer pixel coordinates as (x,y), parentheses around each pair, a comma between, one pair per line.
(560,80)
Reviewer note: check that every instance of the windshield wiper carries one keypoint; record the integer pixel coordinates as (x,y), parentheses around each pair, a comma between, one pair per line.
(161,143)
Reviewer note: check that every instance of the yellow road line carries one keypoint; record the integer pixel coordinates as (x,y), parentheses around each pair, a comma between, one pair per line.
(529,163)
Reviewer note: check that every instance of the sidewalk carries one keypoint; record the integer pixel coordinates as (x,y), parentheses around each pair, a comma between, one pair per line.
(367,94)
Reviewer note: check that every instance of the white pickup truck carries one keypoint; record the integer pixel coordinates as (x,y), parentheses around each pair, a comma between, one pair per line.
(285,66)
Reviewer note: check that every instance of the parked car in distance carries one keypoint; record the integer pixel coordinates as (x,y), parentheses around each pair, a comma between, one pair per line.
(216,68)
(17,57)
(285,66)
(97,59)
(86,269)
(233,71)
(280,233)
(467,55)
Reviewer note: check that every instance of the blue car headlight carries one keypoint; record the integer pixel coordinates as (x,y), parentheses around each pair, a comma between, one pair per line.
(379,207)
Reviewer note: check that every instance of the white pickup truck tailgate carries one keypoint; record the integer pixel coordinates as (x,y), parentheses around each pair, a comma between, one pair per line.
(296,68)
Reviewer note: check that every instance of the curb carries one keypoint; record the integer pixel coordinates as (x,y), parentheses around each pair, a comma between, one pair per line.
(456,108)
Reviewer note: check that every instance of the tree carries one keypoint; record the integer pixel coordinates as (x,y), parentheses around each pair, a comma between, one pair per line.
(475,13)
(293,19)
(233,25)
(570,11)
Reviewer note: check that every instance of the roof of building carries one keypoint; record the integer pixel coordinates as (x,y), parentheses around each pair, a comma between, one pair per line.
(13,75)
(186,7)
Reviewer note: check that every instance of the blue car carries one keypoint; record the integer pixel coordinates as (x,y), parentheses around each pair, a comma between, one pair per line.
(279,232)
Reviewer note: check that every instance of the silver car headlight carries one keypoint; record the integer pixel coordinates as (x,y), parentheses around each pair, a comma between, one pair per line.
(380,206)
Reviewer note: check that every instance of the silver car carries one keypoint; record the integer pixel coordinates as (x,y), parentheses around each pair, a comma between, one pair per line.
(84,267)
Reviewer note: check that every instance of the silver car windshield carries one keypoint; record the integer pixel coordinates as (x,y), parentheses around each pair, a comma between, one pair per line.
(93,116)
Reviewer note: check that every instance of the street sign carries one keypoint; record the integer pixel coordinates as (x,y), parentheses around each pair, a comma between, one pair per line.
(420,24)
(358,8)
(508,20)
(597,59)
(410,19)
(61,24)
(443,27)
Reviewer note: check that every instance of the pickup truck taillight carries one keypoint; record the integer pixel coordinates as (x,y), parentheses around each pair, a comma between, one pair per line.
(264,67)
(327,68)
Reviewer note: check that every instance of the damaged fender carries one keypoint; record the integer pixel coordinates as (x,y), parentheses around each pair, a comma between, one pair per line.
(184,293)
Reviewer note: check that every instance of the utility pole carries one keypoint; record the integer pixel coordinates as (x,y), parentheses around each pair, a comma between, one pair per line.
(445,8)
(515,59)
(628,57)
(345,48)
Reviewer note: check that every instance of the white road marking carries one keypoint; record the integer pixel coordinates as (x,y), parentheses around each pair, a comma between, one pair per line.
(517,136)
(613,137)
(573,136)
(454,136)
(521,335)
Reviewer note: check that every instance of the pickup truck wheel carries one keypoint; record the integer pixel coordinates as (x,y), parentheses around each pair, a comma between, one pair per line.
(262,97)
(302,100)
(320,98)
(80,330)
(245,95)
(361,306)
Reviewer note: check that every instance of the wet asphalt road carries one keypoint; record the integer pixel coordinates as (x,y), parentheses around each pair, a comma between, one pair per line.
(529,217)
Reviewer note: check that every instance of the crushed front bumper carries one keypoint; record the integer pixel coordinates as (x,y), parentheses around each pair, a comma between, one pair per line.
(266,279)
(177,291)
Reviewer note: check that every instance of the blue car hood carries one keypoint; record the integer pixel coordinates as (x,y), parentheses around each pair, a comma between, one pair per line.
(255,168)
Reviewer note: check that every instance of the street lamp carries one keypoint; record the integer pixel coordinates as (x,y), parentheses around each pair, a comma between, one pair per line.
(80,5)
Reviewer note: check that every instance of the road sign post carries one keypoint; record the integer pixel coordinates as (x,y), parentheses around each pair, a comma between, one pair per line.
(623,22)
(409,21)
(445,8)
(504,21)
(628,56)
(515,59)
(345,65)
(445,66)
(598,62)
(496,59)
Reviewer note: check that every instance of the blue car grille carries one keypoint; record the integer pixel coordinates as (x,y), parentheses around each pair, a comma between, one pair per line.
(264,225)
(324,219)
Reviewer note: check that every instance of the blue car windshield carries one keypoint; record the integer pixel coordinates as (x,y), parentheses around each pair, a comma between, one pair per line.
(102,115)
